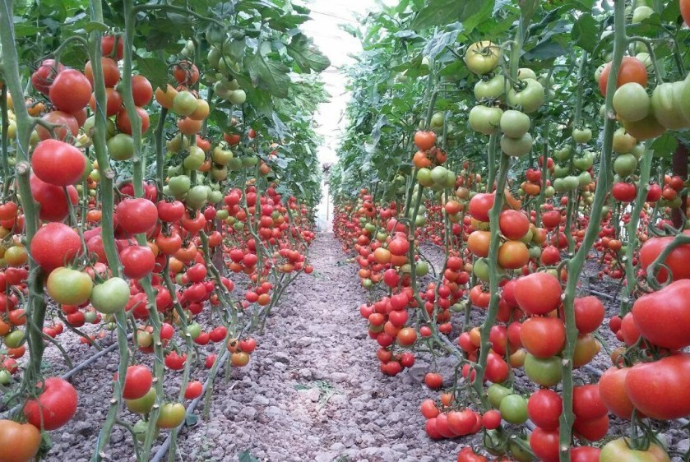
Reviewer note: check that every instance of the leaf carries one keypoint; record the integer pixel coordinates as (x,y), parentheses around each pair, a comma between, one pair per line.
(191,419)
(93,25)
(585,32)
(306,55)
(437,44)
(546,50)
(280,128)
(671,12)
(245,456)
(665,145)
(440,12)
(156,70)
(267,74)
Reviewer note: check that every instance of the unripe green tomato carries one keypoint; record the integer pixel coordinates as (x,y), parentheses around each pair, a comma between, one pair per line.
(219,173)
(563,153)
(420,221)
(496,393)
(5,377)
(214,197)
(582,135)
(222,214)
(238,97)
(584,179)
(144,404)
(534,252)
(514,409)
(421,269)
(194,330)
(250,161)
(238,226)
(549,192)
(367,284)
(406,268)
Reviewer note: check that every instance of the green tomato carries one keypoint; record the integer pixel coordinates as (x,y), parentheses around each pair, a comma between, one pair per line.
(534,252)
(140,428)
(171,415)
(238,226)
(520,454)
(194,330)
(219,173)
(515,124)
(631,102)
(437,121)
(619,450)
(667,105)
(221,156)
(514,409)
(421,269)
(121,147)
(424,177)
(235,164)
(485,119)
(584,179)
(546,372)
(625,164)
(641,13)
(250,161)
(482,57)
(111,296)
(549,192)
(238,97)
(529,98)
(582,135)
(517,147)
(496,393)
(623,142)
(490,89)
(197,197)
(367,284)
(185,103)
(69,287)
(563,153)
(194,159)
(584,162)
(179,184)
(526,73)
(481,269)
(5,377)
(14,339)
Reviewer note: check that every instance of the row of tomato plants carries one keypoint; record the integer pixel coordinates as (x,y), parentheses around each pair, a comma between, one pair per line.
(193,249)
(512,259)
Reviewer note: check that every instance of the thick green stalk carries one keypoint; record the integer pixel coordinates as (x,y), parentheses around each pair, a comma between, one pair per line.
(577,263)
(4,156)
(106,186)
(36,306)
(138,166)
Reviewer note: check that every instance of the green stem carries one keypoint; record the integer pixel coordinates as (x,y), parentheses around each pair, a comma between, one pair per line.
(576,264)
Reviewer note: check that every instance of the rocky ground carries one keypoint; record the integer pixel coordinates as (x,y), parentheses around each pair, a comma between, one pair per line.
(311,392)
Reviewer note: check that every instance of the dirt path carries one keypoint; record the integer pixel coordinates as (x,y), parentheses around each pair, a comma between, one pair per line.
(314,391)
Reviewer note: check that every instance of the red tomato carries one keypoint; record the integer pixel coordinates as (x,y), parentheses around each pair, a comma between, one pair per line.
(659,389)
(43,77)
(54,245)
(544,444)
(513,224)
(138,382)
(545,285)
(70,91)
(587,402)
(142,91)
(193,390)
(589,314)
(543,337)
(52,199)
(66,125)
(480,206)
(662,317)
(55,406)
(631,70)
(137,215)
(676,260)
(137,261)
(544,409)
(58,163)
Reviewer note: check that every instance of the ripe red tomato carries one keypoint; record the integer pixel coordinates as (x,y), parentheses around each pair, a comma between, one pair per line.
(124,124)
(193,390)
(631,70)
(55,406)
(624,192)
(58,163)
(659,389)
(433,380)
(108,44)
(142,91)
(54,245)
(491,420)
(52,199)
(545,285)
(66,125)
(43,77)
(587,402)
(544,409)
(544,444)
(543,337)
(662,316)
(513,224)
(18,442)
(480,206)
(676,260)
(70,91)
(137,261)
(138,382)
(589,314)
(584,454)
(136,215)
(425,139)
(111,72)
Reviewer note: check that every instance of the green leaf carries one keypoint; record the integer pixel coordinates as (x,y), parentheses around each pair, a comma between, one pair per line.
(191,419)
(92,26)
(268,75)
(306,55)
(671,12)
(156,70)
(440,12)
(585,32)
(546,50)
(665,145)
(245,456)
